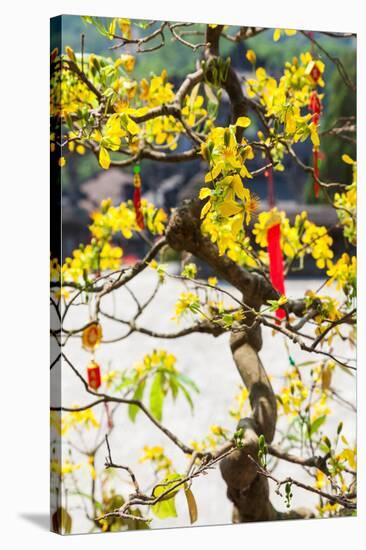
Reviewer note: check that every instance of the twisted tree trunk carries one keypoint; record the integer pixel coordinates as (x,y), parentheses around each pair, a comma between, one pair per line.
(246,488)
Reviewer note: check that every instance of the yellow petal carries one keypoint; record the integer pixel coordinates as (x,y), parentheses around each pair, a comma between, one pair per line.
(229,208)
(251,57)
(277,35)
(238,186)
(205,209)
(216,170)
(132,127)
(104,158)
(243,122)
(347,159)
(204,192)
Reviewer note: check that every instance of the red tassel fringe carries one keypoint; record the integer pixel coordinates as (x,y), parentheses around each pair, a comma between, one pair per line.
(276,263)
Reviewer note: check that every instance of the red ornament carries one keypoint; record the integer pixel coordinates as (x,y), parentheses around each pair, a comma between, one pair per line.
(315,73)
(315,107)
(94,378)
(276,263)
(137,197)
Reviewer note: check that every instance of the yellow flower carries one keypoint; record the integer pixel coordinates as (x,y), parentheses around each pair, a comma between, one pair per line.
(278,32)
(157,456)
(187,302)
(251,57)
(127,61)
(66,468)
(321,480)
(71,419)
(350,456)
(62,293)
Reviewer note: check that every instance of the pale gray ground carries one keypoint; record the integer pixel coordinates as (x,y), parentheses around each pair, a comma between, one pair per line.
(207,360)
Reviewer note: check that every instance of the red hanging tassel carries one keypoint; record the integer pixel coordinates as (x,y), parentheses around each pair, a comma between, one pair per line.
(274,245)
(276,263)
(315,107)
(94,378)
(137,197)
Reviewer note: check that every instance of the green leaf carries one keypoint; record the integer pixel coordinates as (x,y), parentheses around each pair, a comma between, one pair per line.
(165,508)
(138,395)
(316,424)
(186,395)
(192,505)
(306,363)
(112,28)
(157,396)
(187,381)
(173,384)
(87,19)
(99,26)
(261,442)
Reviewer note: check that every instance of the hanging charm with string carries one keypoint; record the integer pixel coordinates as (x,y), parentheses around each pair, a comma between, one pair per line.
(137,196)
(315,70)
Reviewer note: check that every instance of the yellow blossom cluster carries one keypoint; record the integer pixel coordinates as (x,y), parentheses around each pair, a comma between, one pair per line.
(286,99)
(66,468)
(100,254)
(128,100)
(158,459)
(75,419)
(226,158)
(217,436)
(344,272)
(228,234)
(158,358)
(94,257)
(295,399)
(303,237)
(188,302)
(346,204)
(241,407)
(111,220)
